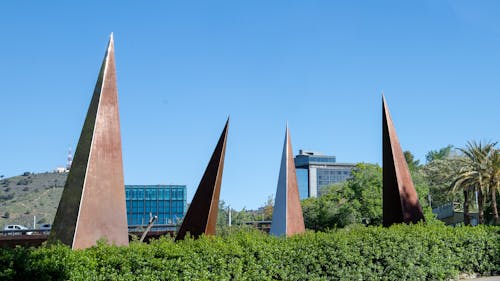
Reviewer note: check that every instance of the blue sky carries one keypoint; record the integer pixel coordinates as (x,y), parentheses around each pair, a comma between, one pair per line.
(184,66)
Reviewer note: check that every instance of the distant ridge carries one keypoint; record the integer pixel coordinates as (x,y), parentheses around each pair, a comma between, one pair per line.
(28,195)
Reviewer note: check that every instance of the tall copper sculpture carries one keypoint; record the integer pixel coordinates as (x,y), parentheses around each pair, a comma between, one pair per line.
(287,213)
(400,200)
(92,205)
(201,216)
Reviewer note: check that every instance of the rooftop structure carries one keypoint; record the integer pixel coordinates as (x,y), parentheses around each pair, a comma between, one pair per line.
(315,171)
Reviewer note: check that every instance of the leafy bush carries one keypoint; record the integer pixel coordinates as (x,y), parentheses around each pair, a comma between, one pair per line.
(24,181)
(5,197)
(401,252)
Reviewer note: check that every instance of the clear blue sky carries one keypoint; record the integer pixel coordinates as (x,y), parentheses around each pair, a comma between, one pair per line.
(184,66)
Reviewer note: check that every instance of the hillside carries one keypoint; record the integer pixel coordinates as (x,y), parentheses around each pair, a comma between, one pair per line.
(28,195)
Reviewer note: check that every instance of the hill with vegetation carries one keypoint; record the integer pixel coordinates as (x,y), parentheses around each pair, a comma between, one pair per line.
(30,195)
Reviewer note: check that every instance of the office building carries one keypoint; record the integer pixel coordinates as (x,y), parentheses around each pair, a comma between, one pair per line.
(315,171)
(168,202)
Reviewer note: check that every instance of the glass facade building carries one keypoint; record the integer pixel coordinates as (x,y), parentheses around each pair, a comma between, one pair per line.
(303,182)
(330,175)
(168,202)
(315,171)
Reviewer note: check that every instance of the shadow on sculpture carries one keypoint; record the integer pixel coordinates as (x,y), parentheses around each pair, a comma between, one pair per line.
(201,216)
(287,213)
(92,204)
(400,200)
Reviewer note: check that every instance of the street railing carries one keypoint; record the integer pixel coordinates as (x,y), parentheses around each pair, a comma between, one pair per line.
(131,229)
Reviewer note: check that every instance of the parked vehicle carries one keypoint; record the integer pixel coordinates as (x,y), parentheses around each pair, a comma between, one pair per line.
(16,229)
(46,227)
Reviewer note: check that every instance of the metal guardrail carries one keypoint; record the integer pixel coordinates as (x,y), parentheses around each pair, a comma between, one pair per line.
(155,227)
(25,232)
(36,237)
(131,229)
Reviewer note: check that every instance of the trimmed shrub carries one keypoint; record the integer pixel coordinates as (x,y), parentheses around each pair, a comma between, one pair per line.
(401,252)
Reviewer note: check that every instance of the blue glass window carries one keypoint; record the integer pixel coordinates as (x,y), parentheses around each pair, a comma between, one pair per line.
(168,202)
(303,182)
(161,206)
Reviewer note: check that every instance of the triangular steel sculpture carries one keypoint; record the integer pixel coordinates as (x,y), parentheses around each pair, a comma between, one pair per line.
(287,214)
(400,199)
(201,216)
(92,205)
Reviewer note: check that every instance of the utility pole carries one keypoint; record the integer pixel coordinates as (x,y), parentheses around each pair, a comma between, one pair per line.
(229,214)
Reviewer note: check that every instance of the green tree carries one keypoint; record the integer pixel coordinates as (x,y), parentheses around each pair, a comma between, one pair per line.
(421,185)
(243,216)
(268,208)
(413,164)
(222,217)
(494,181)
(440,154)
(366,184)
(358,200)
(475,174)
(439,175)
(335,208)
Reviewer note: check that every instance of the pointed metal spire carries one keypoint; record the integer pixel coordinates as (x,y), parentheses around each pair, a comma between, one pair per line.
(92,205)
(201,216)
(287,213)
(400,199)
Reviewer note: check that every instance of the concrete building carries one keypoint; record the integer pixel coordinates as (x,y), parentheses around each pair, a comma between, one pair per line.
(315,171)
(168,202)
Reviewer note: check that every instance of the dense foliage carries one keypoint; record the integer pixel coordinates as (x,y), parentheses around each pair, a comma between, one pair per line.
(355,201)
(358,200)
(401,252)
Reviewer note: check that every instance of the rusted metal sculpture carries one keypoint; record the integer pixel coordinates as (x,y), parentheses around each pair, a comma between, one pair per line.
(92,205)
(201,216)
(400,200)
(287,213)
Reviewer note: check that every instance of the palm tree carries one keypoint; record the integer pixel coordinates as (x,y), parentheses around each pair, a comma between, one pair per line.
(475,175)
(465,181)
(494,182)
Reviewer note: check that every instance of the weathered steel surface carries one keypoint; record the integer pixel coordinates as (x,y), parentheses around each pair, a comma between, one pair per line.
(400,200)
(201,216)
(92,205)
(287,214)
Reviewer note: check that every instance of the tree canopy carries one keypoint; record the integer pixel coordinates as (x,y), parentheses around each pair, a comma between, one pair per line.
(358,200)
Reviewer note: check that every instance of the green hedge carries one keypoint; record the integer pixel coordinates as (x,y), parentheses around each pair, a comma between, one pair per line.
(402,252)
